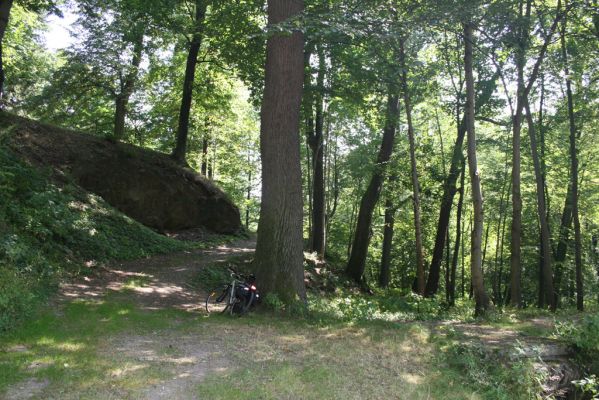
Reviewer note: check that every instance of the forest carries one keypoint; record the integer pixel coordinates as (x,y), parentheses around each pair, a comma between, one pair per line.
(404,174)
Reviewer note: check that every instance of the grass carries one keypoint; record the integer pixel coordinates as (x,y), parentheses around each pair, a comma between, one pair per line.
(113,349)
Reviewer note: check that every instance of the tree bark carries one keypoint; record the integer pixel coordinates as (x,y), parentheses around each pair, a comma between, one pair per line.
(357,260)
(385,271)
(5,7)
(205,147)
(180,150)
(414,173)
(523,91)
(316,143)
(573,175)
(480,295)
(279,249)
(547,271)
(516,227)
(127,87)
(458,234)
(449,191)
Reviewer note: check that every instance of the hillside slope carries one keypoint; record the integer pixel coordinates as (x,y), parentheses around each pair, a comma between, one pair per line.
(49,226)
(146,185)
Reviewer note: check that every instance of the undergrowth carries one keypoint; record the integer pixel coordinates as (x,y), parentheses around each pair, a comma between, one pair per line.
(47,231)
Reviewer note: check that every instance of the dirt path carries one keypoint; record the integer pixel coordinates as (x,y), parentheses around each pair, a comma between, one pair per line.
(156,282)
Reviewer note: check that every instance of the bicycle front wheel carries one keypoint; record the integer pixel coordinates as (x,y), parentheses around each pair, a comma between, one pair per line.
(217,300)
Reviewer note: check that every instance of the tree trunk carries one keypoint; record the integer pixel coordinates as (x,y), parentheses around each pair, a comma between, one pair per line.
(192,60)
(279,249)
(357,260)
(249,193)
(547,271)
(316,143)
(458,234)
(414,174)
(384,275)
(516,228)
(127,87)
(480,295)
(449,190)
(573,176)
(205,147)
(523,91)
(5,7)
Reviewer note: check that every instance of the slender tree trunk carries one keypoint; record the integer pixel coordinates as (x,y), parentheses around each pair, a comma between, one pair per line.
(458,236)
(279,249)
(384,275)
(480,295)
(447,267)
(523,91)
(205,147)
(421,282)
(5,6)
(573,176)
(249,194)
(316,143)
(357,260)
(516,228)
(192,60)
(449,190)
(127,87)
(499,242)
(547,271)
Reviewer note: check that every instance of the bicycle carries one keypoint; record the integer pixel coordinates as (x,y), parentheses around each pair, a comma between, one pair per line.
(236,297)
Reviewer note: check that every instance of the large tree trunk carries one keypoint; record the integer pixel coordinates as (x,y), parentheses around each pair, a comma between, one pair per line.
(190,69)
(279,250)
(573,176)
(480,295)
(414,174)
(127,87)
(547,271)
(5,7)
(357,260)
(449,190)
(316,142)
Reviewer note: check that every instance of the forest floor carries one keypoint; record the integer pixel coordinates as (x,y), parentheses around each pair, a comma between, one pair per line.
(137,330)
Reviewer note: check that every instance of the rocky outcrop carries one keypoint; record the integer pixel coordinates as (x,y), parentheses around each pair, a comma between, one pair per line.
(145,185)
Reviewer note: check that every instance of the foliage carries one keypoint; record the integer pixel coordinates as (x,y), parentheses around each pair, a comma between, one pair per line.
(583,336)
(494,376)
(47,231)
(17,300)
(589,386)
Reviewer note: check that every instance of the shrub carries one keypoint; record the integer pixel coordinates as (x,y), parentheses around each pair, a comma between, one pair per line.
(16,299)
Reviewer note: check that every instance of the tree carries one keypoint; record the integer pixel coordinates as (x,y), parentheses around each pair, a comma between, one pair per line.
(524,89)
(190,69)
(420,278)
(5,8)
(573,174)
(357,260)
(480,295)
(279,249)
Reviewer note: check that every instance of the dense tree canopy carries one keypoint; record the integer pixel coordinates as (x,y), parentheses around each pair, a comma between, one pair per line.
(399,99)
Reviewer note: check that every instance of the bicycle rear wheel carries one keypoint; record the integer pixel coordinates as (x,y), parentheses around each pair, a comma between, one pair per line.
(242,306)
(217,300)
